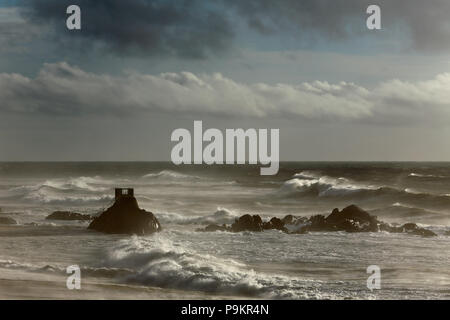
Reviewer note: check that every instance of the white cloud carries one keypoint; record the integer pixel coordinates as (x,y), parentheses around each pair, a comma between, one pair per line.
(61,89)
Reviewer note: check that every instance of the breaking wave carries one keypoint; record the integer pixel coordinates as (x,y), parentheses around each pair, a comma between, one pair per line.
(95,184)
(43,197)
(221,216)
(160,262)
(420,175)
(64,191)
(169,175)
(80,183)
(321,186)
(307,184)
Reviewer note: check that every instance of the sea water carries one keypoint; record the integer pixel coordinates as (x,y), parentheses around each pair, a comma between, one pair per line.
(269,264)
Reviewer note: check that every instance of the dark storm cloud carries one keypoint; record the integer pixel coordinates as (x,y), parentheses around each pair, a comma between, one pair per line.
(425,24)
(15,33)
(183,28)
(198,29)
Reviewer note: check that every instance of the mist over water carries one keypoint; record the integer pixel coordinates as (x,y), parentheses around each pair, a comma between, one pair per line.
(270,264)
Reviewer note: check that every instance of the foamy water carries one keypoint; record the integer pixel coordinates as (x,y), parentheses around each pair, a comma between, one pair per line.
(261,265)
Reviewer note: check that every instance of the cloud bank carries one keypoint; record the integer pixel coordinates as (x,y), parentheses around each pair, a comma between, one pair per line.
(62,89)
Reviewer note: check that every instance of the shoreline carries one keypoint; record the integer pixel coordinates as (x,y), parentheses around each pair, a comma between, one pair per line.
(23,285)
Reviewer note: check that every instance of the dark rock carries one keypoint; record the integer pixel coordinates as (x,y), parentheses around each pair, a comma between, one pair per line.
(447,233)
(277,223)
(125,217)
(317,223)
(348,226)
(413,228)
(7,221)
(274,223)
(410,228)
(247,223)
(67,215)
(350,219)
(289,219)
(351,212)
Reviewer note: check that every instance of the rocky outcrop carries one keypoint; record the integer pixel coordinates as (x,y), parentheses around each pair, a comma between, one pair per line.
(247,223)
(67,215)
(274,223)
(7,221)
(411,228)
(350,219)
(125,217)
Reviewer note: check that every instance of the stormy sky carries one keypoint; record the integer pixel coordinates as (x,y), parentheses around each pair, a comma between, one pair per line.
(137,70)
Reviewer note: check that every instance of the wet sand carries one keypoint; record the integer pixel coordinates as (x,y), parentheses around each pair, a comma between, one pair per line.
(15,284)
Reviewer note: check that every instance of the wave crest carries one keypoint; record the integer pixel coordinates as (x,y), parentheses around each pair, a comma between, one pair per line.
(163,263)
(321,186)
(169,175)
(64,191)
(305,185)
(429,176)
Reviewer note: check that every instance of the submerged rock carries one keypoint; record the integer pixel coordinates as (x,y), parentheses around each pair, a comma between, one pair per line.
(67,215)
(7,221)
(350,219)
(125,217)
(411,228)
(415,229)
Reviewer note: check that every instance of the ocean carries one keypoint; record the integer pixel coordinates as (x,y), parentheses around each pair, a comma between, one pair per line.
(265,265)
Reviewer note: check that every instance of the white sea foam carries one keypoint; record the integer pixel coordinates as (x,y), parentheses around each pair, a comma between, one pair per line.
(65,191)
(159,261)
(321,185)
(95,184)
(306,175)
(169,175)
(221,216)
(324,186)
(421,175)
(43,196)
(80,183)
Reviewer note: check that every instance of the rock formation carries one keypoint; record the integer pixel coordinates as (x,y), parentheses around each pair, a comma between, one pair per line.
(350,219)
(125,217)
(247,223)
